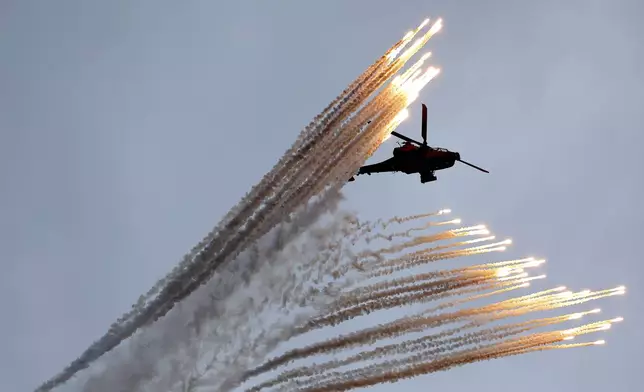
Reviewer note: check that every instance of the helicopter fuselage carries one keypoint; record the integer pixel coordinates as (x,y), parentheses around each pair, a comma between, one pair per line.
(412,159)
(416,157)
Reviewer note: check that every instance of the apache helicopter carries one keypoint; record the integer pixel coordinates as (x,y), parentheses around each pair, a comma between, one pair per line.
(415,157)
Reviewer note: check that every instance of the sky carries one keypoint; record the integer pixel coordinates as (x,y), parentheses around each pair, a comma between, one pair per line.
(128,129)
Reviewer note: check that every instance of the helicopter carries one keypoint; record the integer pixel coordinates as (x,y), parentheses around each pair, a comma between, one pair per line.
(416,157)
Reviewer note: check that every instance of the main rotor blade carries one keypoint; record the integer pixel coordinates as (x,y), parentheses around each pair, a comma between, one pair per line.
(423,129)
(405,138)
(474,166)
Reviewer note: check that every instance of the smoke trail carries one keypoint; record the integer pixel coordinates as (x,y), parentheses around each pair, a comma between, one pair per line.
(273,334)
(270,260)
(388,294)
(264,273)
(280,192)
(273,254)
(238,348)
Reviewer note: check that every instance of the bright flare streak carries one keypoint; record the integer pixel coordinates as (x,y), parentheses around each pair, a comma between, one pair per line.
(422,80)
(470,228)
(402,115)
(533,278)
(416,74)
(411,50)
(496,244)
(503,272)
(406,38)
(489,238)
(535,263)
(438,25)
(411,97)
(579,315)
(471,232)
(413,86)
(523,275)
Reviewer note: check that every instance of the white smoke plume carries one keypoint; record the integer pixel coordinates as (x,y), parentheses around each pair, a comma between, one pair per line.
(287,261)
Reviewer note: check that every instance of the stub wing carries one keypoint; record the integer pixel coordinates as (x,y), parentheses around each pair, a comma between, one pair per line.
(381,167)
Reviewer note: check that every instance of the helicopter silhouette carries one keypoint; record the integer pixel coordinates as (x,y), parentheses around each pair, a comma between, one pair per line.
(416,157)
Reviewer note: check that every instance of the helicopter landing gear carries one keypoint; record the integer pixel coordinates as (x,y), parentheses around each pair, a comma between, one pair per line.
(427,176)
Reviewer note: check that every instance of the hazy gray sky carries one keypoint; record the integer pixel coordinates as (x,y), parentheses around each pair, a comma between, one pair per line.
(121,124)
